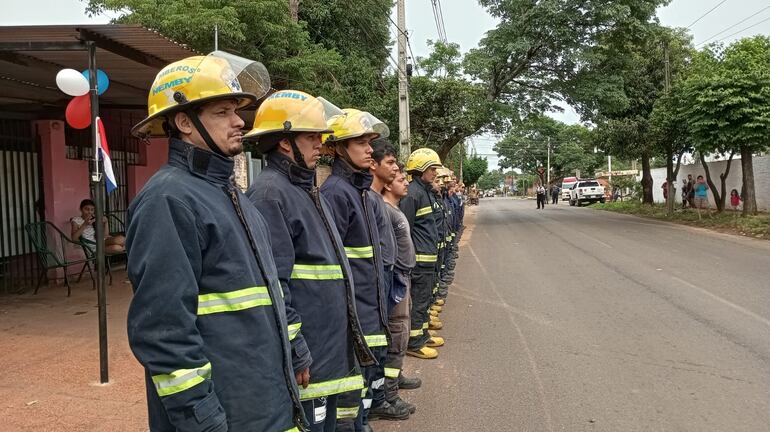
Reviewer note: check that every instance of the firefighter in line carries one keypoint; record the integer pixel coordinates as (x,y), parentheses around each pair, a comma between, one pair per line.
(352,207)
(207,320)
(384,169)
(313,269)
(418,207)
(447,272)
(440,215)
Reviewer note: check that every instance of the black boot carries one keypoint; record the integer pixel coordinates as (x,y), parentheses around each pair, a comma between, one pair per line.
(408,383)
(399,403)
(387,411)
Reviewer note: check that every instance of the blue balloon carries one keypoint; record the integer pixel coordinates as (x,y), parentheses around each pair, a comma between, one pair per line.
(102,82)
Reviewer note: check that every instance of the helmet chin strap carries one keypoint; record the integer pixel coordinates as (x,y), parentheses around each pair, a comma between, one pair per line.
(193,115)
(299,158)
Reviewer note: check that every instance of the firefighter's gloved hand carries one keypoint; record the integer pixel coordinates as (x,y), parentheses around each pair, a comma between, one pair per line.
(303,378)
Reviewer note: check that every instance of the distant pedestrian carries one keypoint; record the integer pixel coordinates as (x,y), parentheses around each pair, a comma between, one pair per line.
(690,191)
(735,199)
(684,193)
(555,194)
(701,196)
(665,190)
(540,197)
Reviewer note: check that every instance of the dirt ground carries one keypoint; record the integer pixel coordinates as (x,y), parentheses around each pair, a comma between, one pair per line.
(50,355)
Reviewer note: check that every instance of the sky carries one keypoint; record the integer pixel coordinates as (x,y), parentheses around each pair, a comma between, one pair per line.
(466,24)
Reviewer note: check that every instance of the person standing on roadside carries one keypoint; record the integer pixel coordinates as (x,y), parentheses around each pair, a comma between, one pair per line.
(701,196)
(326,337)
(540,192)
(207,320)
(353,209)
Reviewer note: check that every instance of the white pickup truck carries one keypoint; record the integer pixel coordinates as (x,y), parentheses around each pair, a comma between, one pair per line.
(586,191)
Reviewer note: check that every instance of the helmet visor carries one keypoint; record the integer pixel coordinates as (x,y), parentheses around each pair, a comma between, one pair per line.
(244,75)
(370,122)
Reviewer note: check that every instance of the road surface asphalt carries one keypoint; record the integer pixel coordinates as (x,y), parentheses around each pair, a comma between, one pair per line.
(575,319)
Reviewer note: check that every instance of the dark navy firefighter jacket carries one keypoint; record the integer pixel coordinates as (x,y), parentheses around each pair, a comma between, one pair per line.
(316,278)
(348,193)
(418,207)
(207,320)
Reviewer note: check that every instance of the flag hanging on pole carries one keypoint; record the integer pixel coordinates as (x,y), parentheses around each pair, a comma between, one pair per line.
(104,152)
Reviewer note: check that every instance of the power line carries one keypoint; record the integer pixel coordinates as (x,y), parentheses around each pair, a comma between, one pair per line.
(735,25)
(708,12)
(438,17)
(742,30)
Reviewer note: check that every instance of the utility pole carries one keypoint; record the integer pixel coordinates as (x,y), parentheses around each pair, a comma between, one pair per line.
(462,157)
(548,164)
(669,171)
(216,37)
(403,90)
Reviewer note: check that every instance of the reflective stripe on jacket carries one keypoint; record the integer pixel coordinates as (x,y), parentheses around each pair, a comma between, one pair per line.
(418,208)
(207,319)
(315,276)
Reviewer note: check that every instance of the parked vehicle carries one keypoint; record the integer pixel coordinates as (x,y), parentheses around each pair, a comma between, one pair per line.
(566,185)
(586,191)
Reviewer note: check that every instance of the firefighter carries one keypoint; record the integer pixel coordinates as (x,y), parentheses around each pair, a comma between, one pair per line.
(353,208)
(440,215)
(418,207)
(312,267)
(207,320)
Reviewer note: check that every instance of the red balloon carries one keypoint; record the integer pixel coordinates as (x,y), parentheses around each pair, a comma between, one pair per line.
(78,113)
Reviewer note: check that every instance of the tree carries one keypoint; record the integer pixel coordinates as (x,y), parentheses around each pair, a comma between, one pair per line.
(728,104)
(539,47)
(622,106)
(303,52)
(473,168)
(527,144)
(490,180)
(445,106)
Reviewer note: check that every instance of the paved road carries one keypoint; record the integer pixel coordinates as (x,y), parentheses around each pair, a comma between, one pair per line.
(574,319)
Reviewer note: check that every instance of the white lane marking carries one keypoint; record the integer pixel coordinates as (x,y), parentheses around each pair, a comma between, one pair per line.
(725,302)
(530,356)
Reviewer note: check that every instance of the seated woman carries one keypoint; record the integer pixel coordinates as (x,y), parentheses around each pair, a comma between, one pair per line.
(83,229)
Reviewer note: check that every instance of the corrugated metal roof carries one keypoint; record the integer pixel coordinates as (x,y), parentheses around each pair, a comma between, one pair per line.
(30,76)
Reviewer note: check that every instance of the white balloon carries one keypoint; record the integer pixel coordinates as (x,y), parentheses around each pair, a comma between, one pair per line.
(72,82)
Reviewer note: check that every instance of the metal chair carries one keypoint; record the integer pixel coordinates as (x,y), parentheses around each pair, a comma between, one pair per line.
(52,255)
(89,247)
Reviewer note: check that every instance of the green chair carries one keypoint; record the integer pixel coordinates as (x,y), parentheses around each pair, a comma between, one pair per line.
(52,254)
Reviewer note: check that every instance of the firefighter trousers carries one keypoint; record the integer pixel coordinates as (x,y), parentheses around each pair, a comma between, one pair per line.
(399,325)
(422,297)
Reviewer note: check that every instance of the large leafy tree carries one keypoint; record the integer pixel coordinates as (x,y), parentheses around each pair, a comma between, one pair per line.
(446,106)
(541,46)
(728,104)
(324,47)
(622,107)
(473,168)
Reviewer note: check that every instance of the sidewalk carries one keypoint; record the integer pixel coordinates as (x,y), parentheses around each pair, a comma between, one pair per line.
(50,350)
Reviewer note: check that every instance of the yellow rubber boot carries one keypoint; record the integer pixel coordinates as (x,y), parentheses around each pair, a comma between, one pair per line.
(436,308)
(435,342)
(432,333)
(440,302)
(433,313)
(435,325)
(423,353)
